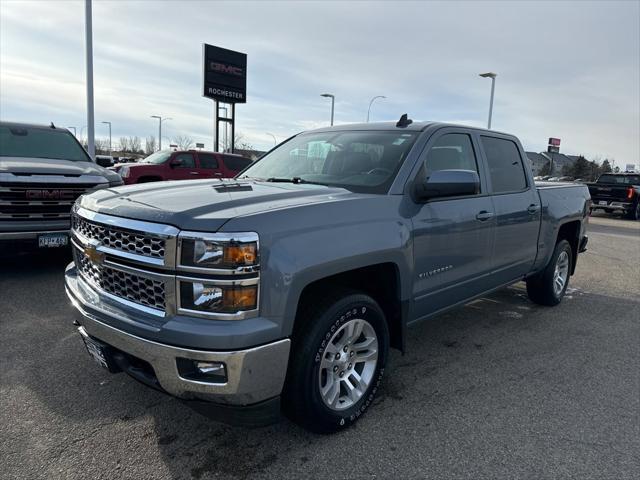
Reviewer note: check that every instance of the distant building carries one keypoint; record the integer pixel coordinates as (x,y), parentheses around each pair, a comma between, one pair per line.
(539,160)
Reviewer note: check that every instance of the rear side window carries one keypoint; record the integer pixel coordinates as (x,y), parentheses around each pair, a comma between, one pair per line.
(187,160)
(208,160)
(236,163)
(40,143)
(505,165)
(453,151)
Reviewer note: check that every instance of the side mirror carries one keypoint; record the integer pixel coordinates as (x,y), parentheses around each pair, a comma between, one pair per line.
(448,183)
(176,162)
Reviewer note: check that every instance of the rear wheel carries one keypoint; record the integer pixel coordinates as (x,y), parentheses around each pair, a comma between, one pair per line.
(634,213)
(549,286)
(337,363)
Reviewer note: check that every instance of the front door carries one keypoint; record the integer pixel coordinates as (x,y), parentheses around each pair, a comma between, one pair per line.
(517,207)
(186,170)
(453,237)
(209,166)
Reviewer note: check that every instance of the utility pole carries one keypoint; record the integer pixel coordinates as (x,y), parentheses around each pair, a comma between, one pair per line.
(333,100)
(492,76)
(89,52)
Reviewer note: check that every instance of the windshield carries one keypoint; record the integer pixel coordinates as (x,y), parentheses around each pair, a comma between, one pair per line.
(621,179)
(160,156)
(40,143)
(363,161)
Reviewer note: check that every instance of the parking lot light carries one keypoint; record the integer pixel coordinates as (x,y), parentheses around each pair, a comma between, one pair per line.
(371,103)
(492,76)
(333,99)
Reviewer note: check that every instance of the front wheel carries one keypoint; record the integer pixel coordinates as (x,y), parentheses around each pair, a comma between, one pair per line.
(549,286)
(337,363)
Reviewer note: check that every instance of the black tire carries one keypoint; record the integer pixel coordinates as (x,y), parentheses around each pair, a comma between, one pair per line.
(540,287)
(148,179)
(634,213)
(302,399)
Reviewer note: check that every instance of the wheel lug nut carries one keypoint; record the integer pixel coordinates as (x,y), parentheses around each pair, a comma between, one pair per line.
(350,365)
(337,356)
(352,354)
(342,373)
(335,368)
(345,349)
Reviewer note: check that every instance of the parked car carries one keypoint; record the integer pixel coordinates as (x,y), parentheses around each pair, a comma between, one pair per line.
(287,286)
(43,170)
(104,160)
(617,192)
(182,165)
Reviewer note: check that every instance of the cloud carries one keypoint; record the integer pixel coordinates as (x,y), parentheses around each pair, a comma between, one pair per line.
(571,71)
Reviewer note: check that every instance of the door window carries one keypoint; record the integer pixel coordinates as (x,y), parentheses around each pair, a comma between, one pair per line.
(505,165)
(452,151)
(208,161)
(187,160)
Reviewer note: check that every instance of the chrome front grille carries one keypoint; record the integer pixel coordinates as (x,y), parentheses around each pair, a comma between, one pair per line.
(139,243)
(135,288)
(46,201)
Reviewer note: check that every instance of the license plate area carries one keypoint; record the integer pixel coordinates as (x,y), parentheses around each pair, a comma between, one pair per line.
(100,353)
(53,240)
(603,203)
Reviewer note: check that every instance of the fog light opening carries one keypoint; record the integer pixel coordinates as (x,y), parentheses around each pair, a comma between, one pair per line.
(202,371)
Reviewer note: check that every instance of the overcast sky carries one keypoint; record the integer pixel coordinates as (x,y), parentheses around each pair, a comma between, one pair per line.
(565,69)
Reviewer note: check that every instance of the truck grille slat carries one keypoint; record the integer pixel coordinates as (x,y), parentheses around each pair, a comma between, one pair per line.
(135,288)
(37,200)
(119,238)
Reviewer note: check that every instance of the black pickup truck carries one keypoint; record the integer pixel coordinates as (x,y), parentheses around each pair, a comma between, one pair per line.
(617,192)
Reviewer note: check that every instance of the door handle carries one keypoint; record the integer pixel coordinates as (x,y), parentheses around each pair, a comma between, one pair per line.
(218,174)
(193,173)
(533,208)
(484,215)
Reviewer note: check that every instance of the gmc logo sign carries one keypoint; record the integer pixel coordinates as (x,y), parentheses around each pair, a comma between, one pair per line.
(49,195)
(226,69)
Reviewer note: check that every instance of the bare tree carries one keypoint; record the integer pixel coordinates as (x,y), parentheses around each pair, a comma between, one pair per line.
(101,146)
(135,145)
(150,145)
(124,144)
(184,142)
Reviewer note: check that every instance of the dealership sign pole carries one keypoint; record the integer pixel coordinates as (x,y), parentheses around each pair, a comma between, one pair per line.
(553,147)
(224,81)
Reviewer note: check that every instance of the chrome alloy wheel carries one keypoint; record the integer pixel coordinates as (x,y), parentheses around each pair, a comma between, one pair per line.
(348,364)
(561,273)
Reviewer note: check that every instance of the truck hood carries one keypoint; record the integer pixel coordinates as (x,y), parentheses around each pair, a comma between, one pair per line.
(205,205)
(48,166)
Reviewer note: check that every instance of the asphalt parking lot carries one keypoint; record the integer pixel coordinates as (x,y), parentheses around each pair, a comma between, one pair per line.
(500,388)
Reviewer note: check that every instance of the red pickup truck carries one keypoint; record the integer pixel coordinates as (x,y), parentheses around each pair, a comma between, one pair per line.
(182,165)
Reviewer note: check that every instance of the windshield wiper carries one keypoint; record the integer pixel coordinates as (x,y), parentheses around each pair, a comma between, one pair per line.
(296,180)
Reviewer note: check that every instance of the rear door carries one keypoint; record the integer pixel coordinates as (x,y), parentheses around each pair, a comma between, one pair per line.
(210,165)
(517,208)
(186,170)
(453,237)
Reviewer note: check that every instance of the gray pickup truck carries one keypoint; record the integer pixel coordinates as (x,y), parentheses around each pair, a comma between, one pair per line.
(43,170)
(284,288)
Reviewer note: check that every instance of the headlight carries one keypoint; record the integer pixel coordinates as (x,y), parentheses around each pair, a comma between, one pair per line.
(215,298)
(124,172)
(228,251)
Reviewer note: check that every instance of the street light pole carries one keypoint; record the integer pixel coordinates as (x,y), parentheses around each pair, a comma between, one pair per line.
(110,149)
(226,115)
(275,141)
(492,76)
(89,53)
(371,103)
(160,120)
(333,99)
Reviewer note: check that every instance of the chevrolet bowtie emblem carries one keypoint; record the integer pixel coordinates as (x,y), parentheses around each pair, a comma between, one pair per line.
(92,253)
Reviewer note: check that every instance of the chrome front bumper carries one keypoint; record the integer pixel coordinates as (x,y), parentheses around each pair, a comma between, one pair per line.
(253,374)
